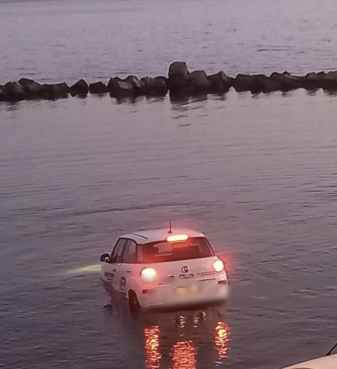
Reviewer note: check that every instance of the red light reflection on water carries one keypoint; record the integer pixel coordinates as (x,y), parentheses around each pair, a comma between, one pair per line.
(221,340)
(184,355)
(153,355)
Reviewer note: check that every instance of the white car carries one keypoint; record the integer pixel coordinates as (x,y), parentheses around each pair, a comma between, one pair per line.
(165,268)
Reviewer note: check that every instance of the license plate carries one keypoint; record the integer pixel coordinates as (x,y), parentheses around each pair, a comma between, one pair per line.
(184,290)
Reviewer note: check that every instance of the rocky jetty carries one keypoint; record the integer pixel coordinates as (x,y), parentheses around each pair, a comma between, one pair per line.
(180,83)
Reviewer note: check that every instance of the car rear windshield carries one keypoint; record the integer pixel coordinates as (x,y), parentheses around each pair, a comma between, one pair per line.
(158,252)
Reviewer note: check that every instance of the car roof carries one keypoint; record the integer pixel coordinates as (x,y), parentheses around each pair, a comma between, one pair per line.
(156,235)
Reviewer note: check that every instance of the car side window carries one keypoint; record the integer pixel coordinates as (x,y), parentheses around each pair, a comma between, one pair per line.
(130,255)
(116,256)
(140,253)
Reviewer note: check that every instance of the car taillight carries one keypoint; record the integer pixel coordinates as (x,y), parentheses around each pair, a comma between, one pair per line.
(219,266)
(148,274)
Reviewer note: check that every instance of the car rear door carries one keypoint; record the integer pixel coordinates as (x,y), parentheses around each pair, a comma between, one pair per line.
(183,261)
(186,271)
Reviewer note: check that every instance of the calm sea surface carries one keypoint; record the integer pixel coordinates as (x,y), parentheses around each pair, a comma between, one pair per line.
(96,39)
(257,174)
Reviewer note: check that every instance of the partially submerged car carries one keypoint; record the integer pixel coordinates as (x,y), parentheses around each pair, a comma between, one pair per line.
(161,268)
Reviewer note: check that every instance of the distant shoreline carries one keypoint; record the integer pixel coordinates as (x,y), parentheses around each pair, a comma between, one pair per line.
(179,83)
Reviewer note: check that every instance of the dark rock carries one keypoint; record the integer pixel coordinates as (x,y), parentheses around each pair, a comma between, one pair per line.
(270,85)
(31,88)
(178,68)
(315,81)
(332,75)
(26,82)
(14,91)
(61,90)
(177,74)
(137,85)
(330,84)
(312,76)
(321,74)
(242,83)
(34,89)
(146,85)
(220,82)
(157,86)
(146,81)
(3,95)
(125,88)
(55,91)
(252,83)
(113,86)
(311,81)
(119,88)
(79,88)
(198,81)
(98,88)
(258,83)
(287,81)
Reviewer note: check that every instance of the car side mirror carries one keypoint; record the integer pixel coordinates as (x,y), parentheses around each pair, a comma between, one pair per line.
(105,258)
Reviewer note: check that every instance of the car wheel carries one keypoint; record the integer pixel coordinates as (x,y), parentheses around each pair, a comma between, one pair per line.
(133,302)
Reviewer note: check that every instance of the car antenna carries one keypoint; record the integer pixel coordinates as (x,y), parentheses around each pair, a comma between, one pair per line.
(170,230)
(330,352)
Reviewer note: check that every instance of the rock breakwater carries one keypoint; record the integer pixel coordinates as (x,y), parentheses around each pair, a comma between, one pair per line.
(180,82)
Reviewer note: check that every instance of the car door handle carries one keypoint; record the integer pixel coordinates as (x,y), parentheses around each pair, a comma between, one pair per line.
(113,270)
(128,270)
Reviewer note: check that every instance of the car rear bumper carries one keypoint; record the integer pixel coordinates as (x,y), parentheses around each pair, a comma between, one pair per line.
(168,296)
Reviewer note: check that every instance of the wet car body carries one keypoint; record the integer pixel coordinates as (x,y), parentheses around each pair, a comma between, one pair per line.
(165,269)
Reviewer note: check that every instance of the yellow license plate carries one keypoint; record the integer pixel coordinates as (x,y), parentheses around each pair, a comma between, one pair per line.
(183,290)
